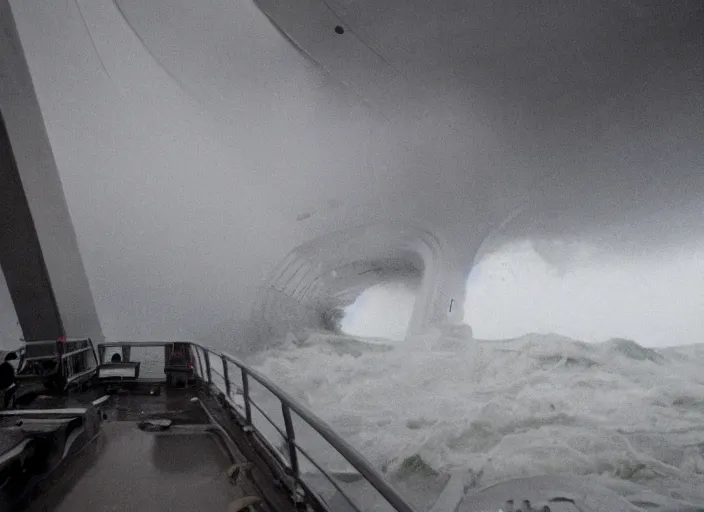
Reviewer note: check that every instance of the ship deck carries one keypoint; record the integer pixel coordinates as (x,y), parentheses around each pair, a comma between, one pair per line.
(126,468)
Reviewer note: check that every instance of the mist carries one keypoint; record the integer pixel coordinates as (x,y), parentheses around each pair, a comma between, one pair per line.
(382,311)
(197,147)
(655,301)
(590,296)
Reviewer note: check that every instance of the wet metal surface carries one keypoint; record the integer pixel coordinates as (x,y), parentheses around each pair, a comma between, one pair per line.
(134,405)
(136,471)
(125,469)
(173,404)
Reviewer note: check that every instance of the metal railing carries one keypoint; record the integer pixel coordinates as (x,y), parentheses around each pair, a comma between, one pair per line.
(288,404)
(74,360)
(204,368)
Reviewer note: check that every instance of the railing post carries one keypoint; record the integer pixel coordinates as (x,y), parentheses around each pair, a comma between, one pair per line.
(226,375)
(201,366)
(290,440)
(245,394)
(365,469)
(206,354)
(195,359)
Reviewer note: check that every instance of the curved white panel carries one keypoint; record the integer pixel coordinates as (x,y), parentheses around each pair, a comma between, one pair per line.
(199,144)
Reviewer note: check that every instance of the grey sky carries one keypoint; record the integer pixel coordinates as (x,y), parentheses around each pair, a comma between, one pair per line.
(656,300)
(189,146)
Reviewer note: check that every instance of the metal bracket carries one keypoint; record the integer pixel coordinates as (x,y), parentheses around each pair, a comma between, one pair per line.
(237,470)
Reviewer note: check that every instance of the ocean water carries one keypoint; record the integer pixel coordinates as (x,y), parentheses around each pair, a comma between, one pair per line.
(434,405)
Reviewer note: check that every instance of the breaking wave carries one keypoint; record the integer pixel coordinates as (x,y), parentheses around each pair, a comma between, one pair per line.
(539,404)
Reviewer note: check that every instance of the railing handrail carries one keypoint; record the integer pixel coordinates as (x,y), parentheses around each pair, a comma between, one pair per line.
(361,464)
(352,456)
(146,344)
(77,351)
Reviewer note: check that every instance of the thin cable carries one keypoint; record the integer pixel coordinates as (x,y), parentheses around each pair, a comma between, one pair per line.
(154,58)
(95,48)
(366,45)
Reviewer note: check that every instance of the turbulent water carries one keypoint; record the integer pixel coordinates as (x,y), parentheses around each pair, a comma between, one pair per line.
(540,404)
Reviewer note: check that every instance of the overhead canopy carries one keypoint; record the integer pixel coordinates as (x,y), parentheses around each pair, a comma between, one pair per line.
(199,144)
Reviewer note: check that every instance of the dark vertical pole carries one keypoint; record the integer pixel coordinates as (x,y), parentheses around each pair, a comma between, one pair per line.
(226,375)
(245,393)
(40,255)
(207,366)
(199,361)
(21,255)
(290,440)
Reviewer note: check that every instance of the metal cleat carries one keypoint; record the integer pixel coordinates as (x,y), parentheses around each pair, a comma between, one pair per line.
(237,470)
